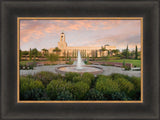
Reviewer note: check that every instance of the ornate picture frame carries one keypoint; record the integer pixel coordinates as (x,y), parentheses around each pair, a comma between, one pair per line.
(11,10)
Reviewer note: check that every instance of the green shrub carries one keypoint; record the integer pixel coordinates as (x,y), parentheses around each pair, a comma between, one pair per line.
(76,79)
(125,85)
(94,94)
(88,78)
(55,87)
(107,86)
(119,96)
(99,77)
(135,95)
(65,95)
(70,75)
(79,90)
(129,85)
(115,76)
(76,87)
(20,66)
(29,76)
(88,75)
(53,57)
(46,77)
(31,67)
(30,89)
(127,67)
(137,82)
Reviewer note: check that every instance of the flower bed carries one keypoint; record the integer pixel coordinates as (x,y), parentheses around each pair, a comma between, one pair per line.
(111,63)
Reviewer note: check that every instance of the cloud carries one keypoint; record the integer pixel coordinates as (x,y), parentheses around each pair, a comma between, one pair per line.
(46,33)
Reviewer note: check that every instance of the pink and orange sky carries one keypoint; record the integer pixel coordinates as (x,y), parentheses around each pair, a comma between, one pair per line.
(46,33)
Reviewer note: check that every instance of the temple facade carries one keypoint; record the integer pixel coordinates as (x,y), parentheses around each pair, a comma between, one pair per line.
(85,50)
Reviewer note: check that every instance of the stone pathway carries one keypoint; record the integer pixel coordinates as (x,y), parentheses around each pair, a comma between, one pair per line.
(107,70)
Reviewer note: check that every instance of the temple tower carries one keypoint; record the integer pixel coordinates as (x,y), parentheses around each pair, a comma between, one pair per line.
(62,43)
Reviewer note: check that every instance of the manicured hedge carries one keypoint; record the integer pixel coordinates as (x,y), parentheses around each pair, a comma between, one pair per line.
(94,94)
(55,87)
(76,79)
(119,96)
(73,86)
(107,86)
(80,89)
(70,75)
(125,85)
(45,77)
(30,89)
(88,78)
(65,95)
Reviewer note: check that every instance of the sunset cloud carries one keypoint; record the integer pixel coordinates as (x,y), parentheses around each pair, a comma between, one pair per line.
(46,33)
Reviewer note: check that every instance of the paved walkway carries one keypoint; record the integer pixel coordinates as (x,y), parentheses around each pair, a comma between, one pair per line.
(107,70)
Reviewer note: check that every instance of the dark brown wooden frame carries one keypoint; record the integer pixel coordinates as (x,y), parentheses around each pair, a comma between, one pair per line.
(79,18)
(11,9)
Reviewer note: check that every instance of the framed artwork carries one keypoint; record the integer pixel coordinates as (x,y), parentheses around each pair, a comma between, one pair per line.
(79,60)
(110,71)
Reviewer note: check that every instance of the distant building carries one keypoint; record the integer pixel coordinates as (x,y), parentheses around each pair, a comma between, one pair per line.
(85,50)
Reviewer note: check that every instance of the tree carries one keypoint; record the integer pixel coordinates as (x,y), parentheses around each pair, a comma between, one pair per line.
(103,49)
(139,54)
(127,52)
(57,50)
(34,52)
(85,54)
(67,54)
(45,52)
(96,53)
(115,51)
(70,60)
(93,54)
(132,54)
(39,54)
(20,54)
(87,59)
(30,55)
(73,54)
(136,53)
(109,53)
(25,52)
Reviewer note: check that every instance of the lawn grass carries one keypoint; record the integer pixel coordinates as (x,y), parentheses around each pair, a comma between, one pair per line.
(25,62)
(136,63)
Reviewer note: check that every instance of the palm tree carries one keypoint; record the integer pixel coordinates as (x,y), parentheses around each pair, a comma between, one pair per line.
(103,49)
(115,51)
(45,51)
(57,50)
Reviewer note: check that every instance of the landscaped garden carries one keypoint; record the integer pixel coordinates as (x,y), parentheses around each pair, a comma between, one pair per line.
(29,59)
(73,86)
(136,63)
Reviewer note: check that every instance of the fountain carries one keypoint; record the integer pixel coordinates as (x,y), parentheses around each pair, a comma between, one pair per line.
(79,67)
(79,61)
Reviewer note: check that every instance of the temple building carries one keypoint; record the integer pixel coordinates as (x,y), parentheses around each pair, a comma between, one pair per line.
(85,50)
